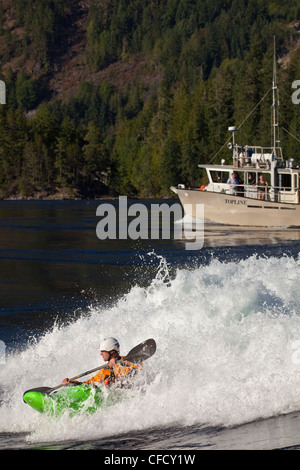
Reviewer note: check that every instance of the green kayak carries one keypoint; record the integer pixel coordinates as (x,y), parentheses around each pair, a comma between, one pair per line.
(81,398)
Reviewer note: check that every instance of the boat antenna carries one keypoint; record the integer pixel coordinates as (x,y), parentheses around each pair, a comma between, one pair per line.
(274,88)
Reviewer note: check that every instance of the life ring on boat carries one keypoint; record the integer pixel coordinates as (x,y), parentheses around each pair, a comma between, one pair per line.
(202,188)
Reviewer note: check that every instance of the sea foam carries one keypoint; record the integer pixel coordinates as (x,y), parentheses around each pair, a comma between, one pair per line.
(227,336)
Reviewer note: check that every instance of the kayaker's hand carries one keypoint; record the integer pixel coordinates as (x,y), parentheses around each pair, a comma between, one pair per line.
(66,381)
(112,363)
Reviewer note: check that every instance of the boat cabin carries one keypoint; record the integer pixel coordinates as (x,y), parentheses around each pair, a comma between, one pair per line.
(258,173)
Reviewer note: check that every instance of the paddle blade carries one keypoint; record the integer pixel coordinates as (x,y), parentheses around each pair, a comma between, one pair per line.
(142,351)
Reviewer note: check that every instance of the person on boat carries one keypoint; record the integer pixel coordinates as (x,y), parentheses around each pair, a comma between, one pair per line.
(114,372)
(251,179)
(262,188)
(235,181)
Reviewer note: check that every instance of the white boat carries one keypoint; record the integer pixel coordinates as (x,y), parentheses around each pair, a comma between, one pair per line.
(272,203)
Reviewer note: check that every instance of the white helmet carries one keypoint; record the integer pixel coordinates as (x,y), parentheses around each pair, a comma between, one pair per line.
(110,344)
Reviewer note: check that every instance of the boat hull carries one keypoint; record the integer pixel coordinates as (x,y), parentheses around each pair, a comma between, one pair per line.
(236,210)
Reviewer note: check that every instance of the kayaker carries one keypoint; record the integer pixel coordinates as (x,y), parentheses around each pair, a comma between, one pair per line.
(114,372)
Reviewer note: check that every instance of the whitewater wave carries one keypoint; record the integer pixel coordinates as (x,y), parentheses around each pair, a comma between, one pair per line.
(226,337)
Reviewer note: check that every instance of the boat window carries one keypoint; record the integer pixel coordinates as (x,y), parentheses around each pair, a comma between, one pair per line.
(219,176)
(286,182)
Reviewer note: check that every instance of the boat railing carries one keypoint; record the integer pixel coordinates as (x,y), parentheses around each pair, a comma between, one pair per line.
(267,193)
(250,191)
(256,191)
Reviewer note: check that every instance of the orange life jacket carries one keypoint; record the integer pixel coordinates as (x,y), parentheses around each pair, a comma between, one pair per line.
(119,372)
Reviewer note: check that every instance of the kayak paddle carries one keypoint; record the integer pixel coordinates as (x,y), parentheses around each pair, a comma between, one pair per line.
(139,353)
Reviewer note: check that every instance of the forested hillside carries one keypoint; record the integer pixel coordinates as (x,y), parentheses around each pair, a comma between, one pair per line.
(108,97)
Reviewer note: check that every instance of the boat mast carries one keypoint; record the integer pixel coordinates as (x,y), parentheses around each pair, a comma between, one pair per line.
(274,125)
(274,88)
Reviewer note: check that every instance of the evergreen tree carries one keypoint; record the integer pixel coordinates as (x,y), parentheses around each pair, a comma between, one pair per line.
(95,158)
(197,67)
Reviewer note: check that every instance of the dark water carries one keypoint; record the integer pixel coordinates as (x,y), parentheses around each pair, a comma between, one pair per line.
(56,275)
(52,263)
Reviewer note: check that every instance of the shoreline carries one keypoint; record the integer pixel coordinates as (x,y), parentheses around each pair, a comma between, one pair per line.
(61,197)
